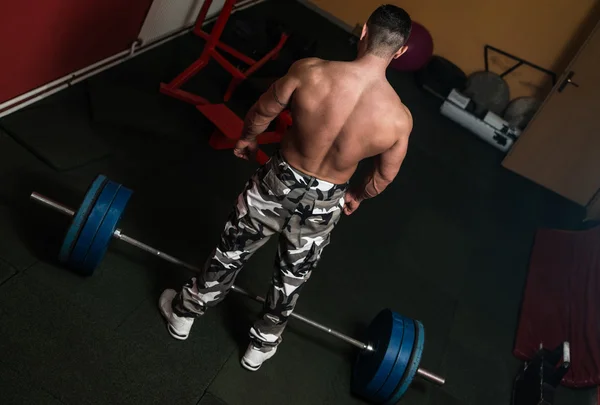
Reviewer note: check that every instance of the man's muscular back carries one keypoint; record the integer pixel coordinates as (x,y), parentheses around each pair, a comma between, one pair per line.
(342,113)
(339,118)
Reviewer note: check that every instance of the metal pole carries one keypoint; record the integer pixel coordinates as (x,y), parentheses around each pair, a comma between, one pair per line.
(434,378)
(121,236)
(52,204)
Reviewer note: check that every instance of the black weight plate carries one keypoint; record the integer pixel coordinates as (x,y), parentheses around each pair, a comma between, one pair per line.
(372,368)
(91,226)
(80,217)
(106,230)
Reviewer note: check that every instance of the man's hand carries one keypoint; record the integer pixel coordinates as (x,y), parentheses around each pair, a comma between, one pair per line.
(352,201)
(246,149)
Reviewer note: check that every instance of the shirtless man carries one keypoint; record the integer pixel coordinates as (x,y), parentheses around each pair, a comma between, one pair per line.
(342,112)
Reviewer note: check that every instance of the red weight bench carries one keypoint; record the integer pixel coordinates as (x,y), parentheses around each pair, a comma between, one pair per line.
(229,129)
(562,302)
(211,50)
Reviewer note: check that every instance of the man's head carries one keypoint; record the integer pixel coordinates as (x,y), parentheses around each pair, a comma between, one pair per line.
(386,32)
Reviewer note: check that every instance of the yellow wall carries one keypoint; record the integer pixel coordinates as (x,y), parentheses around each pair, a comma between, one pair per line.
(545,32)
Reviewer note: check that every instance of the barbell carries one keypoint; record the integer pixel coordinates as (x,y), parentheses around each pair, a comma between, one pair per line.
(385,366)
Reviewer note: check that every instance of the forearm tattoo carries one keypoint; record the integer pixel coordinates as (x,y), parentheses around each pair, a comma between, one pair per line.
(277,98)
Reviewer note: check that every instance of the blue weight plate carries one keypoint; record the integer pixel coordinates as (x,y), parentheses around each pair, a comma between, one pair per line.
(106,230)
(371,369)
(413,366)
(79,218)
(92,223)
(402,360)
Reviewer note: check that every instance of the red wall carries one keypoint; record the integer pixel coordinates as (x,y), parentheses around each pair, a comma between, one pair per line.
(43,40)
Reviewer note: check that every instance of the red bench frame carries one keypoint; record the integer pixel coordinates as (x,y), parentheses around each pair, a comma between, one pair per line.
(211,50)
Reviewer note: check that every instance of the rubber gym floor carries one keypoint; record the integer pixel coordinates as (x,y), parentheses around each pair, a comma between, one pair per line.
(448,243)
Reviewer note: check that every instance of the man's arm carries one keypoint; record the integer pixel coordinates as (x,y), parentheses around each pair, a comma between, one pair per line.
(386,167)
(272,103)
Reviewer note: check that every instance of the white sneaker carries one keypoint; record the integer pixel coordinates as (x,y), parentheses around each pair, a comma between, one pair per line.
(178,326)
(254,358)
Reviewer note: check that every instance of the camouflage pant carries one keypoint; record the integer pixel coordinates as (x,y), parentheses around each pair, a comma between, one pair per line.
(277,199)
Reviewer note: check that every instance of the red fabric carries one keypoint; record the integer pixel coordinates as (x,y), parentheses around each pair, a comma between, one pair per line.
(44,40)
(562,302)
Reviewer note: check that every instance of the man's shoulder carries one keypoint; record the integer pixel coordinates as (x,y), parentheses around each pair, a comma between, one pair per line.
(307,71)
(397,112)
(403,121)
(308,62)
(307,65)
(406,119)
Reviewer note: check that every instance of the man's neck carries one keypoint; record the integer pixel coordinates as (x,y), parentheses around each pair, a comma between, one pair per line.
(371,64)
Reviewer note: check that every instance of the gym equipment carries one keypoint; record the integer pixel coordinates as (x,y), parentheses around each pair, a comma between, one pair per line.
(563,280)
(371,371)
(489,91)
(229,129)
(537,380)
(386,364)
(491,128)
(250,38)
(385,376)
(419,51)
(520,62)
(298,45)
(521,110)
(440,76)
(79,218)
(93,225)
(210,51)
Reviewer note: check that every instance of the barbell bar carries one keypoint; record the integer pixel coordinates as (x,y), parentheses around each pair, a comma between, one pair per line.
(118,234)
(395,344)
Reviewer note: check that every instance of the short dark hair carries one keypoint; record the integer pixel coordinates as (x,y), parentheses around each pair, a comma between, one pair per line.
(388,30)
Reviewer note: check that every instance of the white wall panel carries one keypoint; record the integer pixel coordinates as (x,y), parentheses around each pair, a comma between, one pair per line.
(168,16)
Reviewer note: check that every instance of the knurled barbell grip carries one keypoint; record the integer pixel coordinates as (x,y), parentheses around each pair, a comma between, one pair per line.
(43,200)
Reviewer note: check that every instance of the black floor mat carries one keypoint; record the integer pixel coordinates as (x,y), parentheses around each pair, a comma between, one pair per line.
(14,156)
(6,271)
(16,388)
(148,112)
(209,399)
(59,134)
